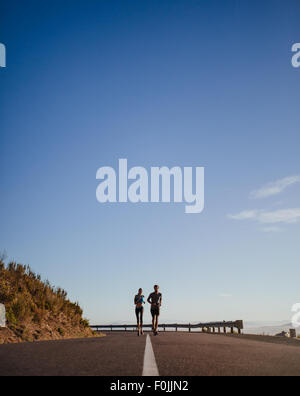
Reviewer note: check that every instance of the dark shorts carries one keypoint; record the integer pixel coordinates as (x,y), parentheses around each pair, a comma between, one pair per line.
(155,311)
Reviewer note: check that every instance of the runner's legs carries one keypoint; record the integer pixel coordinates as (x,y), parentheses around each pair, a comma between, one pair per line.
(153,319)
(141,320)
(155,312)
(139,316)
(137,312)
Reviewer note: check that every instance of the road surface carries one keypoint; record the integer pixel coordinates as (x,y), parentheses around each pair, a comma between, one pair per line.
(169,354)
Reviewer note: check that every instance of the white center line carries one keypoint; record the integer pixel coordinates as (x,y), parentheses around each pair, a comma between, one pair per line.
(150,366)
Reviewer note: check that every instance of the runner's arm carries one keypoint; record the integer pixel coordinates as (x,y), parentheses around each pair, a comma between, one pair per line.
(149,299)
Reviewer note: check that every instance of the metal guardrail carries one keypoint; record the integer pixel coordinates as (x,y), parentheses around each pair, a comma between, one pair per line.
(211,327)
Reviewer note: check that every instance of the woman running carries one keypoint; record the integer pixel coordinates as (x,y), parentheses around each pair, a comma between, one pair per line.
(139,311)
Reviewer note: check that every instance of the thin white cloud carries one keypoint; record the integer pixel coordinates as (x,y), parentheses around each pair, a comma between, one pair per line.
(245,215)
(285,216)
(272,229)
(225,295)
(275,188)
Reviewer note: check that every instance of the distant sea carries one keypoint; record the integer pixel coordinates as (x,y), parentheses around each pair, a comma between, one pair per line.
(267,328)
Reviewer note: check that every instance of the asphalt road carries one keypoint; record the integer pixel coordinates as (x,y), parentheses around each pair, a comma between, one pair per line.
(176,354)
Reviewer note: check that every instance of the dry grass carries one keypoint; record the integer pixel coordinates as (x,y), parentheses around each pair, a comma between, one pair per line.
(36,310)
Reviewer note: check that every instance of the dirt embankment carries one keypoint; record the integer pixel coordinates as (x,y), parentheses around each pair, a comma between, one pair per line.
(35,310)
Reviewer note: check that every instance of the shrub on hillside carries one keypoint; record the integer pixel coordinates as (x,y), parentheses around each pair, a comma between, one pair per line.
(30,300)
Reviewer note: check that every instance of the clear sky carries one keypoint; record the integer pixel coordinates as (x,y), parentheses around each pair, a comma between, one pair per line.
(174,83)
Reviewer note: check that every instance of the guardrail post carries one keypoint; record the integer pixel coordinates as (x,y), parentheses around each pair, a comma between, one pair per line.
(293,333)
(176,328)
(232,330)
(240,326)
(225,331)
(219,330)
(189,327)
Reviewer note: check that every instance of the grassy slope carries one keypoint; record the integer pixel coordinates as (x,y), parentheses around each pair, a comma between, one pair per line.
(35,310)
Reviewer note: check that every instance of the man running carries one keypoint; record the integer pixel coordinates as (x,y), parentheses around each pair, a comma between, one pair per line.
(155,299)
(139,311)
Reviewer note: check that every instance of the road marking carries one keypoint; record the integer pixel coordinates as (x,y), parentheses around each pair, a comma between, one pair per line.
(150,366)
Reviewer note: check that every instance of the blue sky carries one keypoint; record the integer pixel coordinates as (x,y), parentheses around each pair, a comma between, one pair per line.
(174,83)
